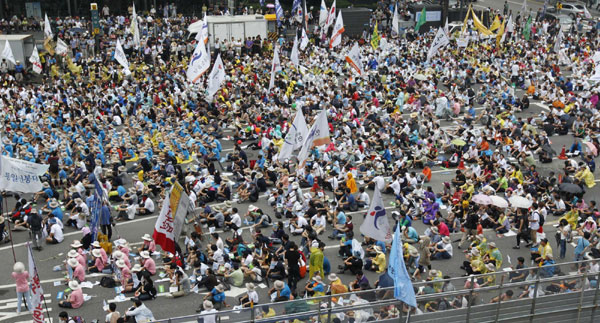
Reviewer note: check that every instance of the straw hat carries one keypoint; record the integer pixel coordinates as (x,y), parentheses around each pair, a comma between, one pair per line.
(76,244)
(250,286)
(317,278)
(72,262)
(118,254)
(136,268)
(147,237)
(72,254)
(492,245)
(120,263)
(18,267)
(74,285)
(414,252)
(220,288)
(252,208)
(96,253)
(332,277)
(145,254)
(446,239)
(53,205)
(208,305)
(279,285)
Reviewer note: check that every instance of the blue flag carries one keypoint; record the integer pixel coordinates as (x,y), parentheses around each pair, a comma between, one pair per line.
(403,288)
(96,206)
(295,6)
(278,12)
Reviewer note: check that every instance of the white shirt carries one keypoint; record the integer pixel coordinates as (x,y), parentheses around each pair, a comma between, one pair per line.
(149,205)
(209,318)
(235,219)
(131,211)
(57,232)
(253,296)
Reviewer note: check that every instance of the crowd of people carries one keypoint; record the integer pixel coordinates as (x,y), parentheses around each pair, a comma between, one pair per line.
(138,133)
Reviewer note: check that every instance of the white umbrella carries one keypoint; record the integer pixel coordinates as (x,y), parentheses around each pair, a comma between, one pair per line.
(519,201)
(498,201)
(482,199)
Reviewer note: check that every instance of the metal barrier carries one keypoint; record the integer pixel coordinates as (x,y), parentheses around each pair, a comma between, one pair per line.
(566,297)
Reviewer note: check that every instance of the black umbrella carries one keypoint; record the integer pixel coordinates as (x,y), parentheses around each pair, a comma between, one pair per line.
(570,188)
(549,150)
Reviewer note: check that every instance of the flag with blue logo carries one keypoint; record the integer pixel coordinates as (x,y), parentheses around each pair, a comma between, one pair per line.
(278,12)
(96,206)
(376,224)
(297,5)
(403,288)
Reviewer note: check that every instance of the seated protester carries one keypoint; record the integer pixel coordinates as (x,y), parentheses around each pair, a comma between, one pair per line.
(76,218)
(298,225)
(282,290)
(234,221)
(209,280)
(442,250)
(217,297)
(55,234)
(278,233)
(353,263)
(182,282)
(127,210)
(147,262)
(125,276)
(363,198)
(146,291)
(98,263)
(315,287)
(251,297)
(254,272)
(348,201)
(216,218)
(276,269)
(360,282)
(346,245)
(234,277)
(146,206)
(75,298)
(262,220)
(378,263)
(318,222)
(148,244)
(139,312)
(78,271)
(519,274)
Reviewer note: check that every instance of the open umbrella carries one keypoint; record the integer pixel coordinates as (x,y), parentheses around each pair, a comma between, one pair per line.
(570,188)
(519,201)
(498,201)
(458,142)
(482,199)
(420,77)
(591,147)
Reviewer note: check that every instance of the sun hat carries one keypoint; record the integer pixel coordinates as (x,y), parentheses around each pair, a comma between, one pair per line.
(145,254)
(74,285)
(72,262)
(53,205)
(136,268)
(76,244)
(96,253)
(332,277)
(18,267)
(492,245)
(208,305)
(147,237)
(118,254)
(250,286)
(414,252)
(446,239)
(121,263)
(279,285)
(96,244)
(317,278)
(220,288)
(72,254)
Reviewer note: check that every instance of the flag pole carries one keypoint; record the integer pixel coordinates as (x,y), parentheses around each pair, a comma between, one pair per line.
(40,281)
(12,245)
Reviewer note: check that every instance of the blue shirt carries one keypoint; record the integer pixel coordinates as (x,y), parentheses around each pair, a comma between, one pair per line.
(582,243)
(341,218)
(105,215)
(121,190)
(285,292)
(218,296)
(58,213)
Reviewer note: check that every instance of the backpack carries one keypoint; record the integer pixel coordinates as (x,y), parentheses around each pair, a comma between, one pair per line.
(541,219)
(107,282)
(35,222)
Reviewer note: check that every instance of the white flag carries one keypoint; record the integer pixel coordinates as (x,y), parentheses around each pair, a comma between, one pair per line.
(7,53)
(323,14)
(318,135)
(446,28)
(330,15)
(36,64)
(510,27)
(375,224)
(199,63)
(276,67)
(121,58)
(295,136)
(440,40)
(559,39)
(294,56)
(396,22)
(216,76)
(338,29)
(353,58)
(135,29)
(20,175)
(303,40)
(203,34)
(171,218)
(524,6)
(587,14)
(37,293)
(61,47)
(47,28)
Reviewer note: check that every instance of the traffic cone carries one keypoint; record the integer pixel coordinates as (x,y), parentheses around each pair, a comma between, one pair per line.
(461,165)
(563,155)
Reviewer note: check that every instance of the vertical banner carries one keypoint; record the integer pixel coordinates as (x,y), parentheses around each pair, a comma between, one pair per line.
(37,293)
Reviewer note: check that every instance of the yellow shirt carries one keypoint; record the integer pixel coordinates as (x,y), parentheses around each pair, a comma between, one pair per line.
(544,251)
(380,261)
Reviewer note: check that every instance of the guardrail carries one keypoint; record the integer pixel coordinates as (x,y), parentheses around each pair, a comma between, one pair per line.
(567,297)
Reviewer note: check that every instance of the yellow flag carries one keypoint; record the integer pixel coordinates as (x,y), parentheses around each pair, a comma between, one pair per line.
(500,34)
(480,27)
(375,37)
(496,24)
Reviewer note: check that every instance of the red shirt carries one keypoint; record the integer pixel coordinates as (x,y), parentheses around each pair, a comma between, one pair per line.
(443,229)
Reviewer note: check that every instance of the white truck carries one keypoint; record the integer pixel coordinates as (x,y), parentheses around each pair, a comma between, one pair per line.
(226,27)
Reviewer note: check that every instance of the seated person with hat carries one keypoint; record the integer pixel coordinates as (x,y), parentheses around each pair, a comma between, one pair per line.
(75,299)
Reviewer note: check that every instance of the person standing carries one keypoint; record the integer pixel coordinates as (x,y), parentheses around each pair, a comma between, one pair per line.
(292,262)
(34,220)
(21,277)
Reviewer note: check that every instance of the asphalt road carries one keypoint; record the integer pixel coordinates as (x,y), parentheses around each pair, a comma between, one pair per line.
(163,307)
